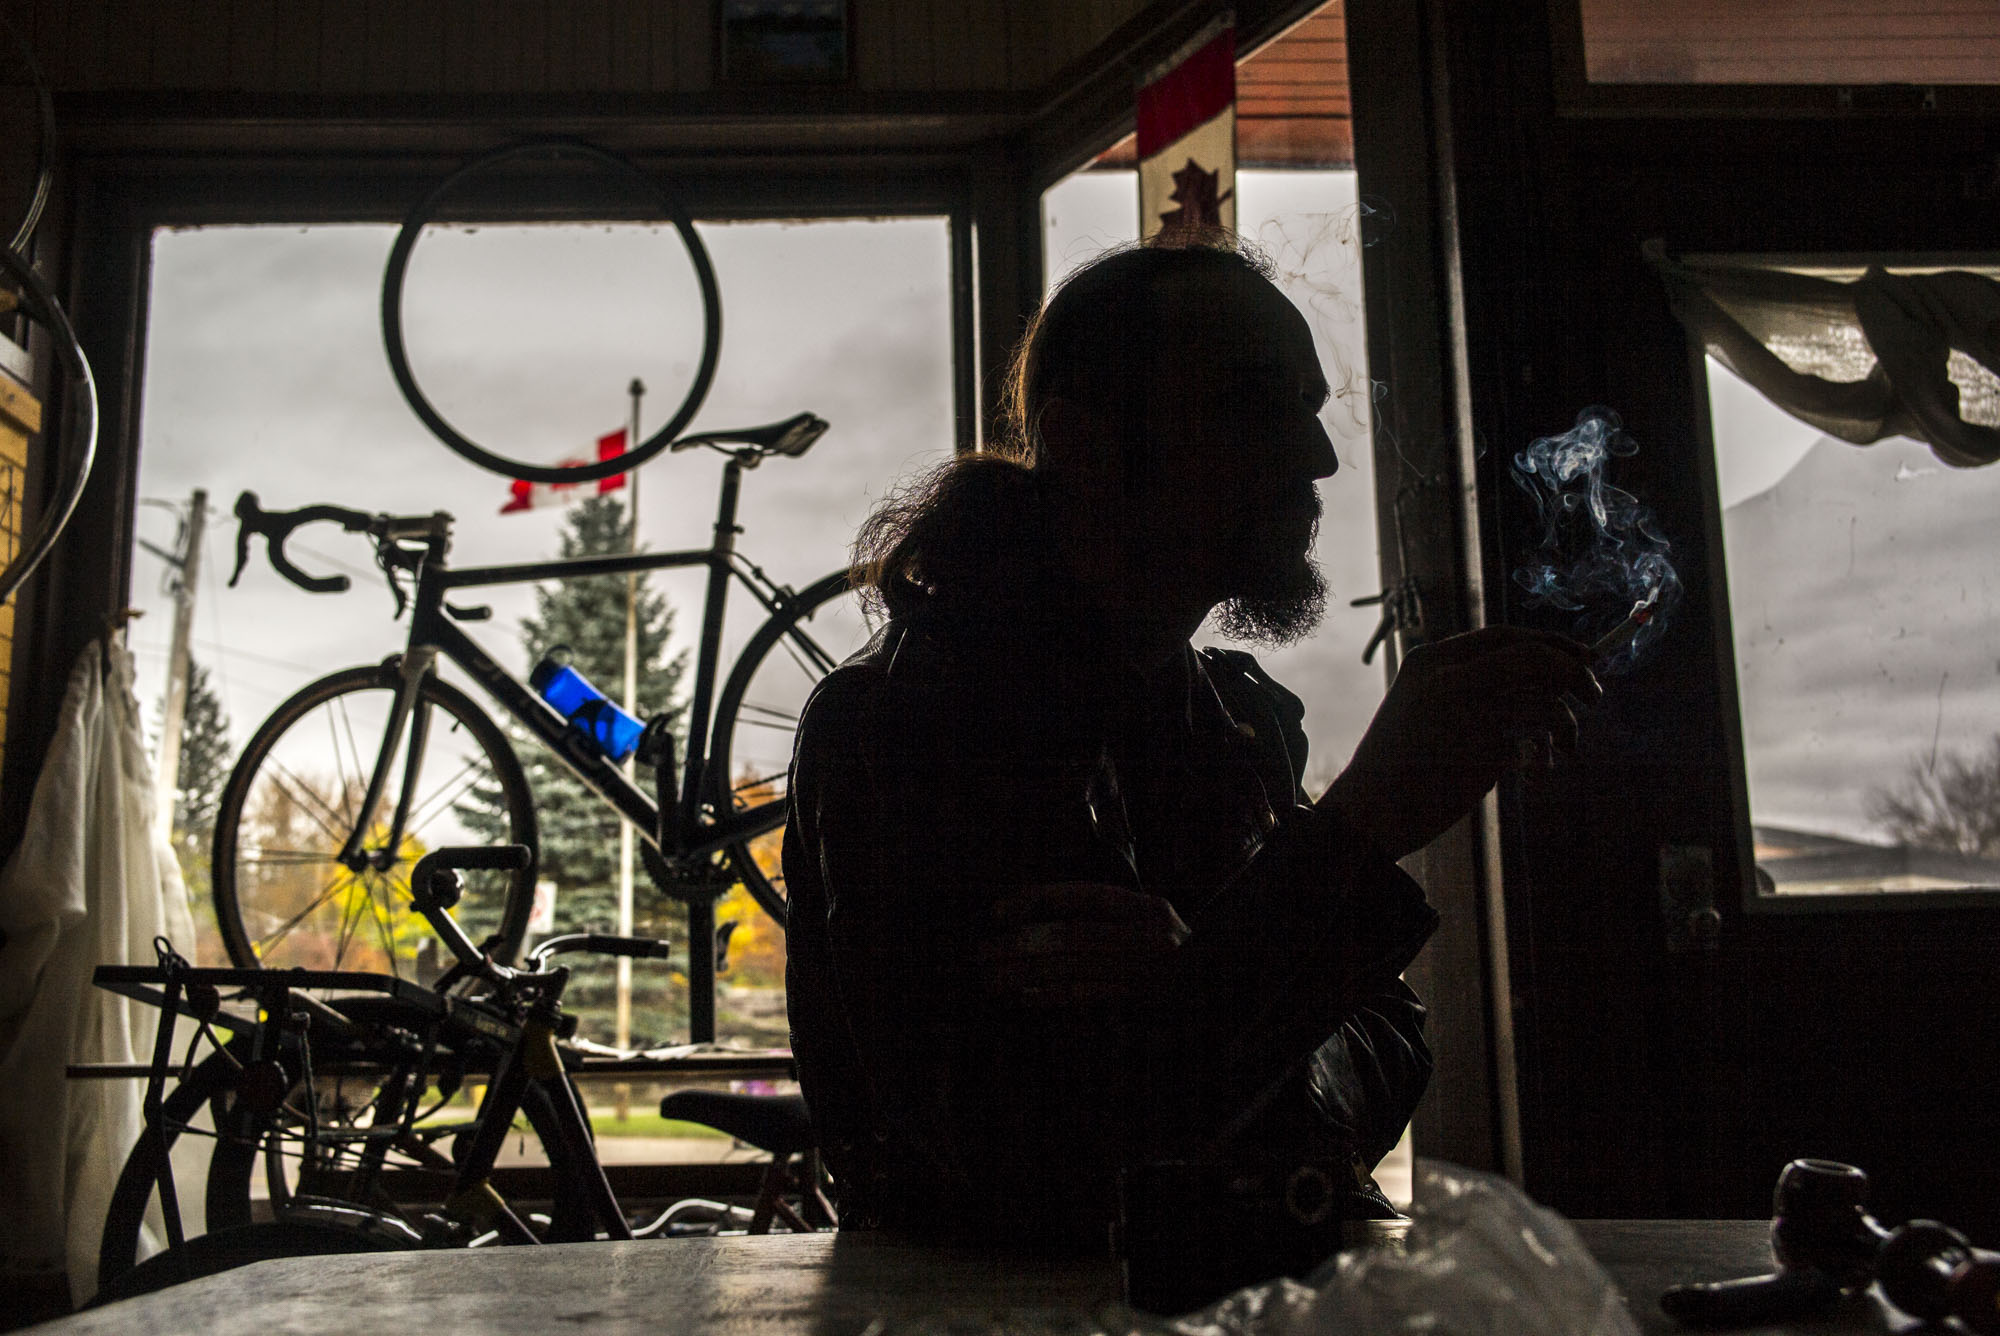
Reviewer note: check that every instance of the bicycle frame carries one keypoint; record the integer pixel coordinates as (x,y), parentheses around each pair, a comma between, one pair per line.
(689,834)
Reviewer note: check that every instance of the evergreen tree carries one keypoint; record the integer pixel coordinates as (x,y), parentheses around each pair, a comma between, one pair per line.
(204,769)
(579,832)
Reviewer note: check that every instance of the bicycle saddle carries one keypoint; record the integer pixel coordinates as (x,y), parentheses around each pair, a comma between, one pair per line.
(775,1123)
(794,436)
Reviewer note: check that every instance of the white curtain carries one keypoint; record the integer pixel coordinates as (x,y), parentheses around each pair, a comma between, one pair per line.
(93,882)
(1884,355)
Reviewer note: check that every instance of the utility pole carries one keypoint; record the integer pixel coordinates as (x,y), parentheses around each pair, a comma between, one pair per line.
(187,562)
(638,391)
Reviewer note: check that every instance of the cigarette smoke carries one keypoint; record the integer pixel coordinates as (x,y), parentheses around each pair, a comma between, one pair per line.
(1599,552)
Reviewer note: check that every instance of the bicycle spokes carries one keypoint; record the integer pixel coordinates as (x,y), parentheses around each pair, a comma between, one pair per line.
(319,874)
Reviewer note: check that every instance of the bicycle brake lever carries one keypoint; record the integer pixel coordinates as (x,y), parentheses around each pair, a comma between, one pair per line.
(396,588)
(246,510)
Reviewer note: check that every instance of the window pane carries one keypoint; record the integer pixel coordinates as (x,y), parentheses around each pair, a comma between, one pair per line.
(1792,42)
(1862,603)
(265,371)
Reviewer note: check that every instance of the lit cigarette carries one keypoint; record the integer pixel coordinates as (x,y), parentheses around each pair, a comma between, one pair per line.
(1621,635)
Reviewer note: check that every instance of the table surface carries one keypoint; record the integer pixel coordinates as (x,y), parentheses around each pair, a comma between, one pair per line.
(782,1285)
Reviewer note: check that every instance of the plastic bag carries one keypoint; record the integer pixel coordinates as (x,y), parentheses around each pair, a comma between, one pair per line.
(1480,1259)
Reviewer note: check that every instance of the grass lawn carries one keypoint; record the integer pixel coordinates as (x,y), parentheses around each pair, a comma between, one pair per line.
(647,1123)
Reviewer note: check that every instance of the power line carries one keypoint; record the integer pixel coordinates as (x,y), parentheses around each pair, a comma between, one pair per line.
(237,652)
(334,562)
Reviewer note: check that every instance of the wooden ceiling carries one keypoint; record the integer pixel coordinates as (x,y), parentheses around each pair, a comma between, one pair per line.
(1291,100)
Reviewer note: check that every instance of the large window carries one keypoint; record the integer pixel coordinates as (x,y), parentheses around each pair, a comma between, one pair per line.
(265,372)
(1869,682)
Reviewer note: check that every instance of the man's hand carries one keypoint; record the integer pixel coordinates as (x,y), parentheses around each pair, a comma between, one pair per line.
(1457,717)
(1078,942)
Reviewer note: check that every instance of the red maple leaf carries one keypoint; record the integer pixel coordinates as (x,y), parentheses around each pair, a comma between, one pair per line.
(1194,191)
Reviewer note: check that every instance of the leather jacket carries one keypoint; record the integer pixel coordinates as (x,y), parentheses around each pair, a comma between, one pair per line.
(943,767)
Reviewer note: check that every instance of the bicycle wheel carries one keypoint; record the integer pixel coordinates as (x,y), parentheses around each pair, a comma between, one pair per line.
(210,1081)
(399,362)
(757,719)
(283,896)
(335,1140)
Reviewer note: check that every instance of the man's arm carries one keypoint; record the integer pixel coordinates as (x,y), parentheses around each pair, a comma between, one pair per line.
(1455,720)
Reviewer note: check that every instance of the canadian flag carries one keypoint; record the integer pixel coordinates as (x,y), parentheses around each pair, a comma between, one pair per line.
(1186,137)
(525,495)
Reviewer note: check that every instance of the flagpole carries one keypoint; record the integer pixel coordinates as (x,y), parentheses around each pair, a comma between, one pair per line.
(638,391)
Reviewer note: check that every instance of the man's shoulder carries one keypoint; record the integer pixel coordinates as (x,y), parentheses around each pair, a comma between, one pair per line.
(855,684)
(878,685)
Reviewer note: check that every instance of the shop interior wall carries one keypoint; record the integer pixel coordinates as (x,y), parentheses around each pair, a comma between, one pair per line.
(340,48)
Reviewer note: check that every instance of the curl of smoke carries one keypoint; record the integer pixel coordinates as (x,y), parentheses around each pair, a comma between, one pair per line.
(1599,551)
(1296,247)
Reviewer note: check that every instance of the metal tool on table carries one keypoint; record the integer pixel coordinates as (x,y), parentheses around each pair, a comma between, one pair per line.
(1827,1245)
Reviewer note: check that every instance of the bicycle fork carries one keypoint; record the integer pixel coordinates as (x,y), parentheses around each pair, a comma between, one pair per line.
(405,713)
(534,1058)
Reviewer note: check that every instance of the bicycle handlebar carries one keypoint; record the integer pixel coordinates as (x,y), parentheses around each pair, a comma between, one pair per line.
(434,889)
(276,526)
(601,944)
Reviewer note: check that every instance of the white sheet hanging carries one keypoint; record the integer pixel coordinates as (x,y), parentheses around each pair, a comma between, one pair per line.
(92,883)
(1888,354)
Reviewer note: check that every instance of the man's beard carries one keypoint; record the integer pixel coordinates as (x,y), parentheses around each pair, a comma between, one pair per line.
(1281,604)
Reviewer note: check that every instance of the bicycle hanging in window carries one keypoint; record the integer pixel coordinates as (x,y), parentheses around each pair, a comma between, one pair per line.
(310,868)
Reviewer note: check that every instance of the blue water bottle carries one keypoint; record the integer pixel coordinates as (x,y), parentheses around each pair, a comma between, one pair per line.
(615,732)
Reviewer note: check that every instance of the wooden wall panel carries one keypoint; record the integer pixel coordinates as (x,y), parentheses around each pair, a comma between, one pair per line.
(955,54)
(1792,41)
(204,57)
(910,31)
(295,48)
(389,47)
(165,33)
(694,48)
(560,44)
(123,57)
(422,65)
(343,47)
(872,45)
(1291,98)
(253,45)
(20,419)
(629,30)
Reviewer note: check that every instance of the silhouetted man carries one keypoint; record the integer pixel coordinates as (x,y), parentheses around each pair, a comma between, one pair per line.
(1058,901)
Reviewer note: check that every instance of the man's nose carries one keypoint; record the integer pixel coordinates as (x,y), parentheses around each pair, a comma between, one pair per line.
(1325,463)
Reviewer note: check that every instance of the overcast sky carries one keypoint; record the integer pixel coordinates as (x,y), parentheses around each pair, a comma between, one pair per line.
(1863,613)
(265,371)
